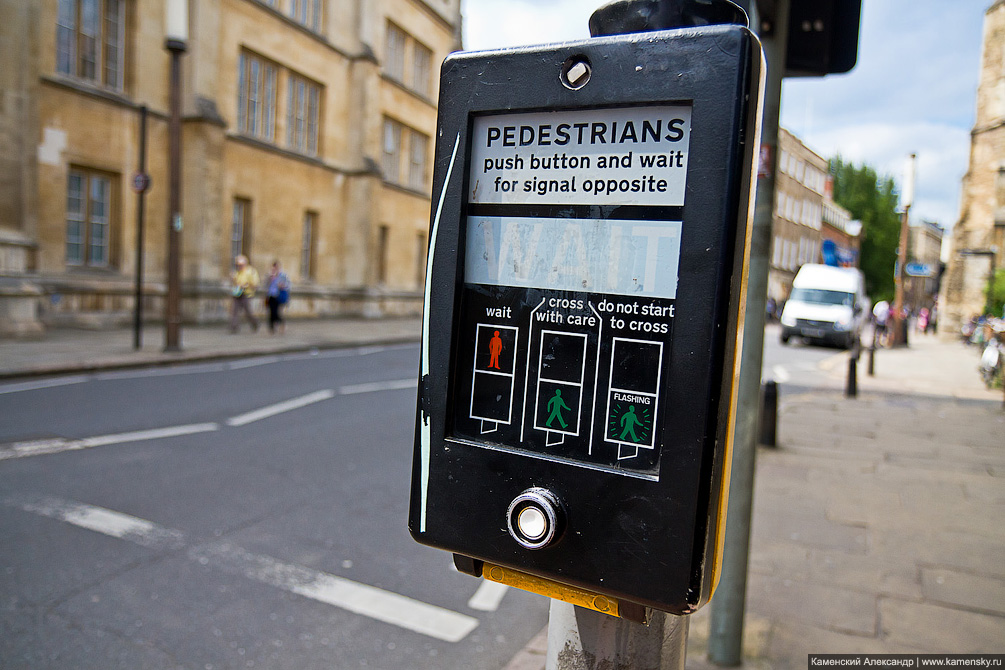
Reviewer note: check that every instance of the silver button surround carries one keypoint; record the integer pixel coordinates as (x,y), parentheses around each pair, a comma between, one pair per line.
(543,501)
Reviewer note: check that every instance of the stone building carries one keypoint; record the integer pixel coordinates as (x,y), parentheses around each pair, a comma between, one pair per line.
(798,213)
(978,242)
(840,235)
(307,137)
(924,248)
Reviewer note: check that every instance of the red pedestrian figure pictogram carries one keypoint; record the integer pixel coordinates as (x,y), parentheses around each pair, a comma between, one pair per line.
(495,348)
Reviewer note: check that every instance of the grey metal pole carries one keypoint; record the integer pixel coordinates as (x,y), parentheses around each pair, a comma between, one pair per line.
(140,199)
(581,639)
(725,644)
(172,305)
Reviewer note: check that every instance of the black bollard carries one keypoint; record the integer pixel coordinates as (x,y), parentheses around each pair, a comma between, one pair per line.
(872,360)
(769,414)
(851,387)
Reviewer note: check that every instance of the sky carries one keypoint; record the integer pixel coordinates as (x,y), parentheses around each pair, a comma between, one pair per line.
(913,90)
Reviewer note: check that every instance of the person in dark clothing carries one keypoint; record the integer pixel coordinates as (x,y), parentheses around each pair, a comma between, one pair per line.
(277,294)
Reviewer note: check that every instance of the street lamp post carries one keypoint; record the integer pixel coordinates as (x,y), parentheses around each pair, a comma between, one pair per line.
(176,42)
(899,322)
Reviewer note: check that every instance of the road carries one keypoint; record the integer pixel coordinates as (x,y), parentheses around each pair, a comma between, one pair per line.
(232,515)
(798,364)
(241,515)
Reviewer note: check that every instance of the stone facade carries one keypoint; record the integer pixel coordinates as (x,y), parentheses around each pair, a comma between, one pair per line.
(981,227)
(924,246)
(800,182)
(307,137)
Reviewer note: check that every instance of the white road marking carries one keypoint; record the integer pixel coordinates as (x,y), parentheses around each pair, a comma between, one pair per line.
(143,373)
(488,596)
(41,384)
(279,408)
(372,387)
(103,521)
(57,445)
(252,362)
(780,374)
(369,601)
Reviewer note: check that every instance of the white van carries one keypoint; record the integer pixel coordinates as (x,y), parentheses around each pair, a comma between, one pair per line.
(827,304)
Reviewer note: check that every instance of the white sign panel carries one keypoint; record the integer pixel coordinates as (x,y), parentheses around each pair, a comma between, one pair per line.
(629,156)
(637,258)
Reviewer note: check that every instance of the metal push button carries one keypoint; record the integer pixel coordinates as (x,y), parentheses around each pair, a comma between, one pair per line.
(534,518)
(531,523)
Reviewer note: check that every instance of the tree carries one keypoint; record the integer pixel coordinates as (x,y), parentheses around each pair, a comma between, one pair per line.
(994,293)
(872,200)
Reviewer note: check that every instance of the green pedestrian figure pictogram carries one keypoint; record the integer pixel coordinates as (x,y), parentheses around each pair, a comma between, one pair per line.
(555,406)
(628,422)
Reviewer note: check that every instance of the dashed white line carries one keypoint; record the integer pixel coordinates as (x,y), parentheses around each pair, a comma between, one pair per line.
(41,384)
(252,362)
(368,601)
(101,520)
(57,445)
(280,407)
(488,596)
(372,387)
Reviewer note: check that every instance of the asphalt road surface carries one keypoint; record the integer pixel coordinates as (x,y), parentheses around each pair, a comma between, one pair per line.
(797,364)
(249,514)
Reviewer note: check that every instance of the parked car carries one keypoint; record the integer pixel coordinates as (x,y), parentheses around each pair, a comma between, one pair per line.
(827,304)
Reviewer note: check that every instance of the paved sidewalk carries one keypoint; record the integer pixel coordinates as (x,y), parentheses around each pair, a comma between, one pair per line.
(68,350)
(879,522)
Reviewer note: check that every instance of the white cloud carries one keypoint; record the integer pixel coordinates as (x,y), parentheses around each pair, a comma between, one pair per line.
(941,163)
(913,89)
(495,24)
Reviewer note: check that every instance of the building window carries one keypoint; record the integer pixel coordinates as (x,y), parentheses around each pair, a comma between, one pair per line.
(383,235)
(256,97)
(392,150)
(394,56)
(302,115)
(401,141)
(417,143)
(89,211)
(422,58)
(421,248)
(307,244)
(307,13)
(407,61)
(90,36)
(240,229)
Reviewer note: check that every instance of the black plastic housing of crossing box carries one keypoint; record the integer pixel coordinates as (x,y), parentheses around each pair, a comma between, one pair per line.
(655,543)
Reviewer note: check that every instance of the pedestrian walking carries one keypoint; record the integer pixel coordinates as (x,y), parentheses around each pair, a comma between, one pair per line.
(277,294)
(555,406)
(880,314)
(244,282)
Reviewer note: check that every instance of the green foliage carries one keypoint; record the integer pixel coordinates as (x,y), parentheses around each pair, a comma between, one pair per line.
(994,294)
(872,200)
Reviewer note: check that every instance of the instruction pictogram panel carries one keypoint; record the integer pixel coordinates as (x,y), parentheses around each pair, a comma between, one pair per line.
(633,395)
(492,378)
(570,312)
(561,372)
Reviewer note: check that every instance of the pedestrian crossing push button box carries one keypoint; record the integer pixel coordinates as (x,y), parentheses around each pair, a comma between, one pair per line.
(583,294)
